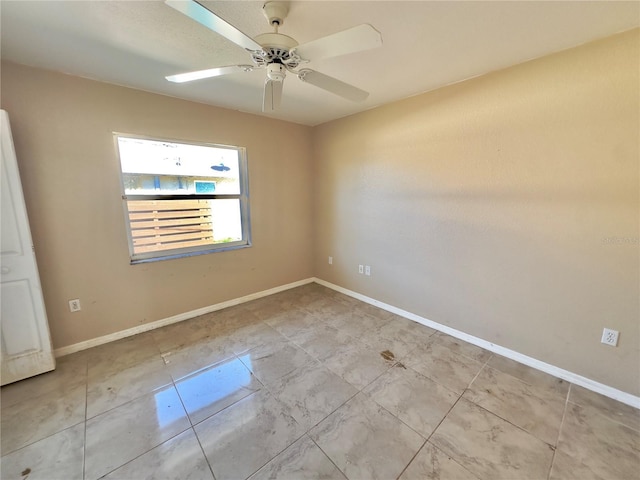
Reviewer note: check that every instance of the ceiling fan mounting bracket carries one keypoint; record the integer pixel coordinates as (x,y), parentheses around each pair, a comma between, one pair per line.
(275,12)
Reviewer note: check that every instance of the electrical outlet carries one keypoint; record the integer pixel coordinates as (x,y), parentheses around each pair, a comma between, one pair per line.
(74,305)
(330,260)
(367,270)
(360,268)
(610,337)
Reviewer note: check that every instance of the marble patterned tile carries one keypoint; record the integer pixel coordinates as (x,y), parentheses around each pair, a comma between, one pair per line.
(70,371)
(433,464)
(272,361)
(355,323)
(408,331)
(231,318)
(196,356)
(267,307)
(293,322)
(322,342)
(461,347)
(326,306)
(397,335)
(399,347)
(207,392)
(37,418)
(303,295)
(535,378)
(608,407)
(248,429)
(302,460)
(59,456)
(121,354)
(418,401)
(311,393)
(342,298)
(373,311)
(183,333)
(240,439)
(179,458)
(111,390)
(126,432)
(365,441)
(535,410)
(489,446)
(251,336)
(590,440)
(358,364)
(565,467)
(444,366)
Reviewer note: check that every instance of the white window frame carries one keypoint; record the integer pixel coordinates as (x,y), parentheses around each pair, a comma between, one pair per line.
(169,254)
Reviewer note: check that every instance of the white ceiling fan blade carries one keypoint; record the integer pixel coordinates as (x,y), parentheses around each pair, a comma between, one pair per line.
(208,73)
(356,39)
(272,95)
(332,85)
(206,17)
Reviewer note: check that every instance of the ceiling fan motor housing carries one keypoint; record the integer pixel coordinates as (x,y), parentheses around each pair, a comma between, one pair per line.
(276,48)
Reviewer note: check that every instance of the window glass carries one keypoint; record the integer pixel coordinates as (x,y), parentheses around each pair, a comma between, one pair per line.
(182,199)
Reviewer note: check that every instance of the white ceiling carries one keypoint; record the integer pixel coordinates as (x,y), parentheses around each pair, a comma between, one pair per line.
(426,45)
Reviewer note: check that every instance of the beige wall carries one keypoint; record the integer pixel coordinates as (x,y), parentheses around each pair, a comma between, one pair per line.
(483,206)
(62,129)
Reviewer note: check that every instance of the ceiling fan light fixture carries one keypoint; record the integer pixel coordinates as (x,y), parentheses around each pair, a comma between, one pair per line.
(276,72)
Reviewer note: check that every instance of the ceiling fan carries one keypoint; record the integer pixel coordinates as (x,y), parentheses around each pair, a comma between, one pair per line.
(279,54)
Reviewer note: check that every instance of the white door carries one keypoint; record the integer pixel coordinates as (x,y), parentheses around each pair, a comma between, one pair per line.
(26,344)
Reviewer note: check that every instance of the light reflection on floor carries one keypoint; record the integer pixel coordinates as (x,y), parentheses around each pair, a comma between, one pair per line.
(210,386)
(167,410)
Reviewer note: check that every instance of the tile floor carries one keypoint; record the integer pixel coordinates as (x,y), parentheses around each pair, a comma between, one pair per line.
(308,383)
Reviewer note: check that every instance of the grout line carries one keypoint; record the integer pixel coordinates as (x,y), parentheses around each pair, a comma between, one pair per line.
(172,383)
(279,453)
(327,456)
(206,459)
(509,422)
(455,461)
(145,452)
(412,459)
(444,418)
(484,365)
(564,414)
(86,410)
(431,435)
(233,404)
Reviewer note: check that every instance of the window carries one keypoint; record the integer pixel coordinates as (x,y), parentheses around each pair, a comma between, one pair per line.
(182,198)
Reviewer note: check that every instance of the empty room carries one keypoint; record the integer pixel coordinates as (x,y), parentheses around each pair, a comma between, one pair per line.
(320,240)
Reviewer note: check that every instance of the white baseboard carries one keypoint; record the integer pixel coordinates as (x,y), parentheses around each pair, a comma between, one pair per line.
(585,382)
(94,342)
(574,378)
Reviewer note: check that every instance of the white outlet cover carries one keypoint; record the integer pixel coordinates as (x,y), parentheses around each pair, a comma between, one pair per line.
(361,268)
(330,260)
(610,337)
(74,305)
(367,270)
